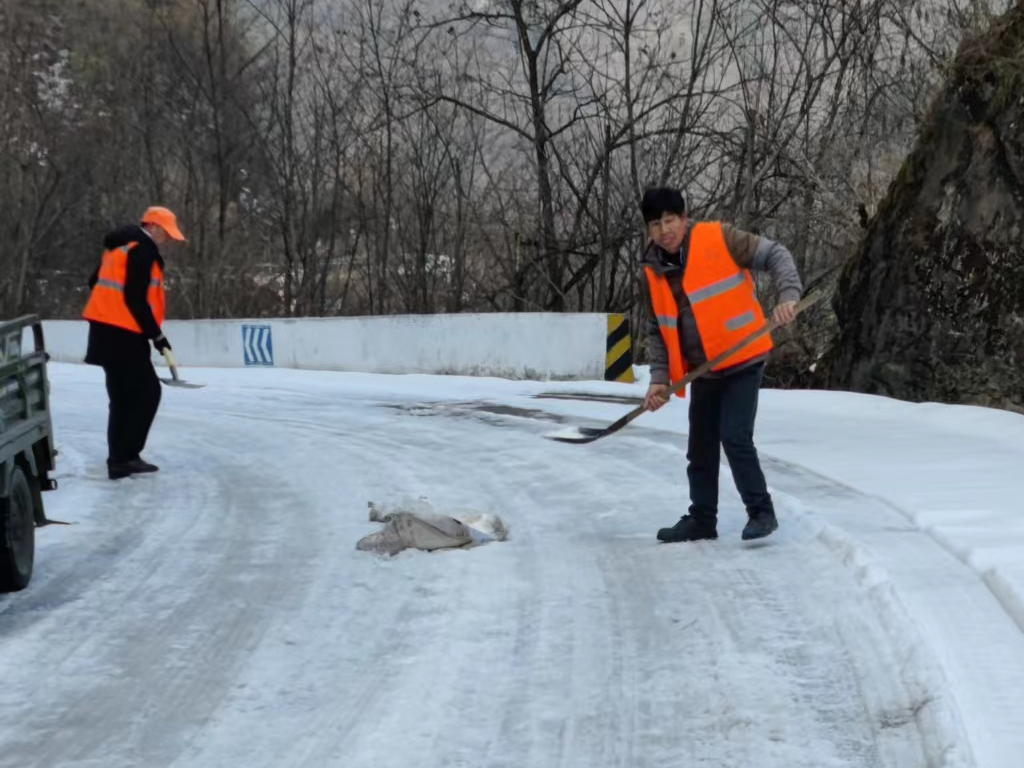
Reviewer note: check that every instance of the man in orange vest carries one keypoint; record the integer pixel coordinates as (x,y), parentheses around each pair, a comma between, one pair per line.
(126,312)
(702,301)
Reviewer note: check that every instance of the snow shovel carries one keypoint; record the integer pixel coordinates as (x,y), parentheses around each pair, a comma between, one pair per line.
(588,434)
(174,381)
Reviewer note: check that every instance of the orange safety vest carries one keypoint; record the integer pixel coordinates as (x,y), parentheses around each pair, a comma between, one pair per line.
(723,299)
(106,303)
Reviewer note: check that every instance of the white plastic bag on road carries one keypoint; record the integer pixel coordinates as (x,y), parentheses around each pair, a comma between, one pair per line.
(416,525)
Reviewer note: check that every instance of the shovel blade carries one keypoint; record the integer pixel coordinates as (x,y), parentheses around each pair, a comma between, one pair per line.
(175,380)
(575,435)
(182,384)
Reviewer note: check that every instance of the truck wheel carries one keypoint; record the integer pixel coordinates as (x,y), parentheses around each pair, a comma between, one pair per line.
(17,534)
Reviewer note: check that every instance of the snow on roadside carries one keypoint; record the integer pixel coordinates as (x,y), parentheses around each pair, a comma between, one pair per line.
(936,712)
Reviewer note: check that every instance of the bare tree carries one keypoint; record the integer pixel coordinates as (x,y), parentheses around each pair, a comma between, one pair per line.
(353,156)
(521,96)
(216,57)
(650,95)
(37,115)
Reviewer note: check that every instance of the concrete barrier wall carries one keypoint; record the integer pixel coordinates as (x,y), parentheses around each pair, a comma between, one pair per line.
(514,345)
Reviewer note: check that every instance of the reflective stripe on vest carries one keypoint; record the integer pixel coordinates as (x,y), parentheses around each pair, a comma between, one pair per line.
(106,302)
(118,287)
(723,300)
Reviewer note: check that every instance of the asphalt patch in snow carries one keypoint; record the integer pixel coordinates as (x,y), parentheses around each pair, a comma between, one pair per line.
(587,396)
(478,410)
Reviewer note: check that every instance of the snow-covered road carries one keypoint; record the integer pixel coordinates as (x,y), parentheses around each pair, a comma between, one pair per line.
(218,614)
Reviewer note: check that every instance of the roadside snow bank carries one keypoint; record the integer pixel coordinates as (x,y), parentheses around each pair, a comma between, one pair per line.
(930,705)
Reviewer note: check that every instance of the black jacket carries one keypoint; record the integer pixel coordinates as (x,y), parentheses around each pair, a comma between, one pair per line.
(108,344)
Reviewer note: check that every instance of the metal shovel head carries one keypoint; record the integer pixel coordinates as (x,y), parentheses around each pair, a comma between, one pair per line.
(182,384)
(575,435)
(175,381)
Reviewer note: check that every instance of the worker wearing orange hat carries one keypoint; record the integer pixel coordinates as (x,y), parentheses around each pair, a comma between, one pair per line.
(126,312)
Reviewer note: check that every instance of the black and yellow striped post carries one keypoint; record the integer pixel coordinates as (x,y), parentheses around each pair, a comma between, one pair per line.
(618,361)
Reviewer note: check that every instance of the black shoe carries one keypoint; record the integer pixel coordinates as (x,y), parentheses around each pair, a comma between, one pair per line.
(138,465)
(116,470)
(759,525)
(689,529)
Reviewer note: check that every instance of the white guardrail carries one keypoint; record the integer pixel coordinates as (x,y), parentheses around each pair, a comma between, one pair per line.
(537,346)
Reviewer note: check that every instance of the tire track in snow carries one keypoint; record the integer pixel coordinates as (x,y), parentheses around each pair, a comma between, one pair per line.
(975,654)
(839,668)
(160,634)
(344,663)
(580,642)
(587,696)
(64,571)
(930,704)
(822,675)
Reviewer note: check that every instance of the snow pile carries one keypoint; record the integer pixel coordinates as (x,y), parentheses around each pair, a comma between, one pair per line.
(931,703)
(416,525)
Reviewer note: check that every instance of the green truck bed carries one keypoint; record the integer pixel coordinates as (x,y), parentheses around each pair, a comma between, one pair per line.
(27,453)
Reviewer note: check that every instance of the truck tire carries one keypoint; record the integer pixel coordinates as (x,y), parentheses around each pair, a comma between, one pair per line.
(17,534)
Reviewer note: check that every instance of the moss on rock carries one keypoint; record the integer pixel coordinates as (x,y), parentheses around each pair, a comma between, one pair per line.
(931,306)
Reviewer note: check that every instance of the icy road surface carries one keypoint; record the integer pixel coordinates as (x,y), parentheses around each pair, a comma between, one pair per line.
(218,614)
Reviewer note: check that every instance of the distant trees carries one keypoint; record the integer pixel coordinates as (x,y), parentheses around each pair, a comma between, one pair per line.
(381,156)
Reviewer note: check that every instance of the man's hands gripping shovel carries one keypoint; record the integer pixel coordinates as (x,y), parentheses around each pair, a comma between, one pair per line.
(164,347)
(588,434)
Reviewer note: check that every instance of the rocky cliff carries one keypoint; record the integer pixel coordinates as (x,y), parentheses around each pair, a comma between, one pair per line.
(931,307)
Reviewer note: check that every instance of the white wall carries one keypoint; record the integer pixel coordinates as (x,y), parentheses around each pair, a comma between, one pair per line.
(515,345)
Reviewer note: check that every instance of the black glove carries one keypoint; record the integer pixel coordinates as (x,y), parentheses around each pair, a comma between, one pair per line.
(161,343)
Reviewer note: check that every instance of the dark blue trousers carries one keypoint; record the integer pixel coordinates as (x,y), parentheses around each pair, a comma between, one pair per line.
(722,413)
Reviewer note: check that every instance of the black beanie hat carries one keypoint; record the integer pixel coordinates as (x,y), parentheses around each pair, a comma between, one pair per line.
(657,201)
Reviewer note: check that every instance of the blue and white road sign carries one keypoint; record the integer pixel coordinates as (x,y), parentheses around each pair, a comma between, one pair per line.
(257,345)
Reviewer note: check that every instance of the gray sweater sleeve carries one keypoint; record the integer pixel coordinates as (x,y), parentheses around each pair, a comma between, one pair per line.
(774,258)
(657,354)
(654,344)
